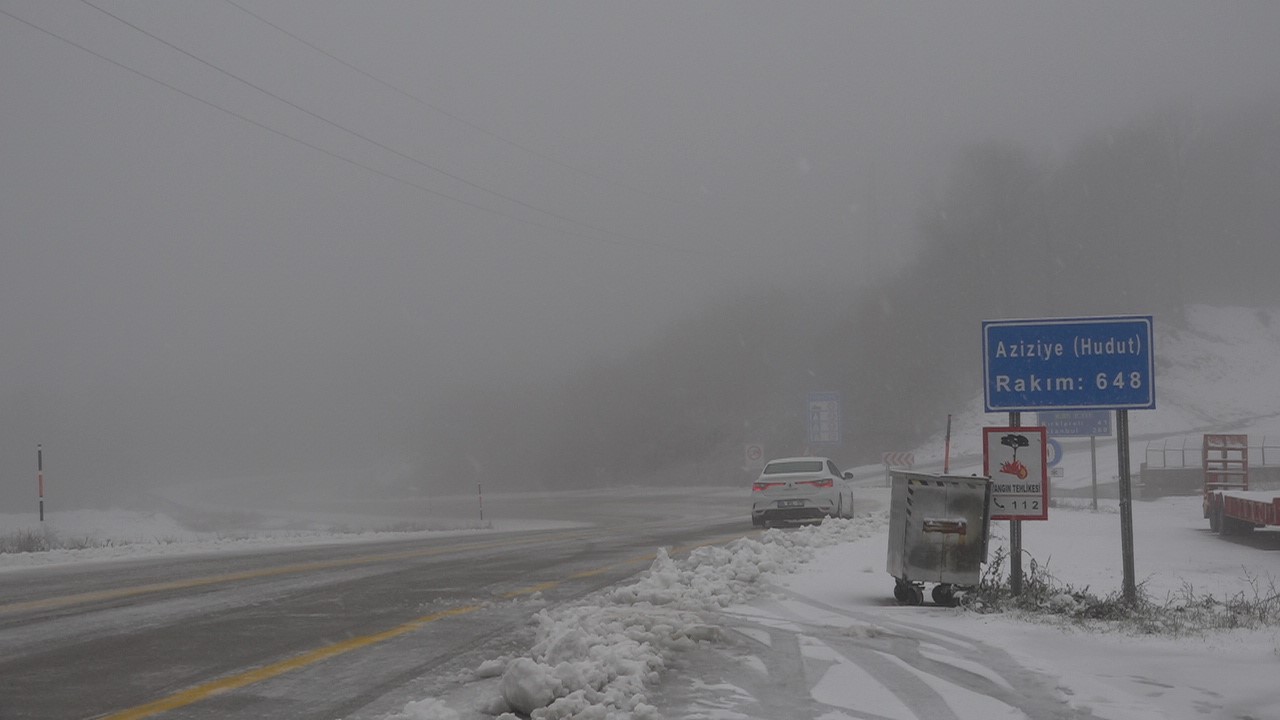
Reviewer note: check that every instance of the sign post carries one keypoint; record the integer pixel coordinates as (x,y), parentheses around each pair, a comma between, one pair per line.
(1019,484)
(1126,506)
(1089,363)
(1093,469)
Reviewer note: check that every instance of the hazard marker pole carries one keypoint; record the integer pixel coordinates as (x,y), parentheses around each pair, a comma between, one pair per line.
(40,477)
(480,492)
(946,449)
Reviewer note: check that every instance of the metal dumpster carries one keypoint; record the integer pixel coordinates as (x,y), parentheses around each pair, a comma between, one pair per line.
(937,534)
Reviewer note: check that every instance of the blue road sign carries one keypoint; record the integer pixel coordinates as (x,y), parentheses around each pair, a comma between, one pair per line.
(1075,423)
(824,418)
(1091,363)
(1053,452)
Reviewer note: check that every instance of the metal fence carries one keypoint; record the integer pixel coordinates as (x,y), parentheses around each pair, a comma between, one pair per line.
(1186,452)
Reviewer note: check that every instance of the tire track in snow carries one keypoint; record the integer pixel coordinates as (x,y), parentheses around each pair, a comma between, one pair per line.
(877,644)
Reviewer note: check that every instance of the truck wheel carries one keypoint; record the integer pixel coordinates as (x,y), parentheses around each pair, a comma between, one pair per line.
(1224,522)
(944,595)
(917,595)
(1215,519)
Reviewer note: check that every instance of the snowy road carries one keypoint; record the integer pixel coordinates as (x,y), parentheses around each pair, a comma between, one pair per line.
(785,624)
(315,632)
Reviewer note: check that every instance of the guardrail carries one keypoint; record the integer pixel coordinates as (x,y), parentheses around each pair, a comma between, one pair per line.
(1185,452)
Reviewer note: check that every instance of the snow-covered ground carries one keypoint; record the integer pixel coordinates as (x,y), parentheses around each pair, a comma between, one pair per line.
(697,637)
(804,619)
(801,623)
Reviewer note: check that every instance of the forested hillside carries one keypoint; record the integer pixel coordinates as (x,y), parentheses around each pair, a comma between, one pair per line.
(1174,208)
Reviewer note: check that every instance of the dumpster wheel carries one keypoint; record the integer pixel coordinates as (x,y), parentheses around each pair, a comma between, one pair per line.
(908,593)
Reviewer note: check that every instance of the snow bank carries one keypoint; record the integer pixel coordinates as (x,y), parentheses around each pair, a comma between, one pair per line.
(593,659)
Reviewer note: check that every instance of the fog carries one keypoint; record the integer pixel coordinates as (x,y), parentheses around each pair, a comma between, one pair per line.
(286,239)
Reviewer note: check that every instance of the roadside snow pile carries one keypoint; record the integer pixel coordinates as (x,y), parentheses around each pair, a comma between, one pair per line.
(593,659)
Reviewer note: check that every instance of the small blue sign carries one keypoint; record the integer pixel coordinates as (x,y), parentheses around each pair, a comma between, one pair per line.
(1053,452)
(1092,363)
(824,418)
(1076,423)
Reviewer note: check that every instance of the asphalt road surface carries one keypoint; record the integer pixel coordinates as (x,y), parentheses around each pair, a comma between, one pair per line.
(333,631)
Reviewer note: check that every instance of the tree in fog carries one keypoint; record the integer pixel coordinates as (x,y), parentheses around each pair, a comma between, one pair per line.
(1168,210)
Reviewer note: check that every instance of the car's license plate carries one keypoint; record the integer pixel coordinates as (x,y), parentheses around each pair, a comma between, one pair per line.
(790,503)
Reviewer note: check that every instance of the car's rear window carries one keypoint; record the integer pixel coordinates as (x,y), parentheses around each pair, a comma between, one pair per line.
(795,466)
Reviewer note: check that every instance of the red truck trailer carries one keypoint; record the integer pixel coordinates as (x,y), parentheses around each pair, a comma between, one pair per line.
(1231,507)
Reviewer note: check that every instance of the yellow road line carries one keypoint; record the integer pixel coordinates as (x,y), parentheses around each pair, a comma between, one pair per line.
(194,695)
(204,691)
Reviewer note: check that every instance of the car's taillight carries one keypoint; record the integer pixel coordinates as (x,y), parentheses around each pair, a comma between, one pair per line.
(828,482)
(762,486)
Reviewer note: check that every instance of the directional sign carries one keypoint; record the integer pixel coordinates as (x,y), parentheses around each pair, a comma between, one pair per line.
(1014,459)
(1092,363)
(824,417)
(1076,423)
(898,459)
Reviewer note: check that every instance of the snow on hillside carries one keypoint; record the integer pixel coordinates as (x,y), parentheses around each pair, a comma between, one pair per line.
(1219,373)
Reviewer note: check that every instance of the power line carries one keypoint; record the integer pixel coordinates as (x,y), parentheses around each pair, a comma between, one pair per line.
(563,218)
(312,146)
(597,234)
(453,116)
(286,135)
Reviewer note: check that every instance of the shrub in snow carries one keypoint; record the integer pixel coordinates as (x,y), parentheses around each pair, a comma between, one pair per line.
(1180,613)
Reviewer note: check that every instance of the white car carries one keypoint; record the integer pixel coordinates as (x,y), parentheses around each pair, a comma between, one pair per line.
(800,489)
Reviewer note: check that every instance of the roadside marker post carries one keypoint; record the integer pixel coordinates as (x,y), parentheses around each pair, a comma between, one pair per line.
(946,449)
(40,477)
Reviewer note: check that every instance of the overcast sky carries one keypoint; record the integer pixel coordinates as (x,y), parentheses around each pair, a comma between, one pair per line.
(266,228)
